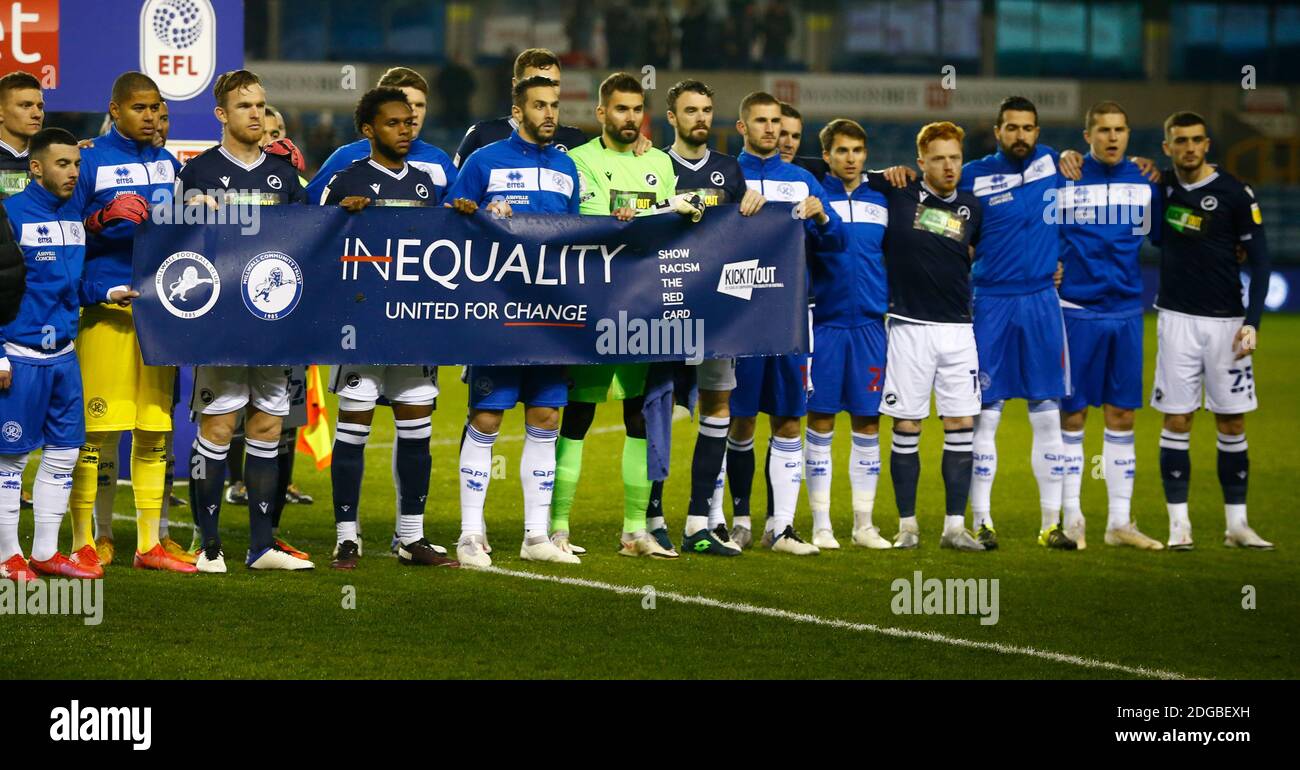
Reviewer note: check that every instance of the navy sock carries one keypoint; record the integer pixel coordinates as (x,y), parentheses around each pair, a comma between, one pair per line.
(1234,468)
(284,462)
(905,471)
(1175,465)
(956,469)
(655,506)
(414,464)
(207,479)
(740,474)
(706,463)
(347,467)
(261,474)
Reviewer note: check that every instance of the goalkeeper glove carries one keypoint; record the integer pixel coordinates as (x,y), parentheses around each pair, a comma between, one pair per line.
(128,207)
(288,152)
(686,204)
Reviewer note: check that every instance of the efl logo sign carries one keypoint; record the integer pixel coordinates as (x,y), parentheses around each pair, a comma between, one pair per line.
(29,38)
(178,46)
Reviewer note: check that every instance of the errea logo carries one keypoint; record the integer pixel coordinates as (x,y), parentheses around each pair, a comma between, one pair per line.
(739,279)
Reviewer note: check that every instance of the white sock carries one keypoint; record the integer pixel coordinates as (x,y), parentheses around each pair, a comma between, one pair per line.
(716,516)
(11,495)
(475,473)
(1178,514)
(1072,487)
(864,474)
(346,530)
(1120,456)
(817,469)
(985,464)
(106,485)
(742,521)
(953,524)
(786,469)
(1236,515)
(537,474)
(695,524)
(1046,459)
(50,492)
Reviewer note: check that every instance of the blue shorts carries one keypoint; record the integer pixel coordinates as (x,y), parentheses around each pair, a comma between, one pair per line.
(1021,344)
(776,385)
(848,369)
(42,406)
(1105,360)
(501,387)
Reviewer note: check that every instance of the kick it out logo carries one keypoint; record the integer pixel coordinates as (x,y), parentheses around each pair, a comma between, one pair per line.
(272,284)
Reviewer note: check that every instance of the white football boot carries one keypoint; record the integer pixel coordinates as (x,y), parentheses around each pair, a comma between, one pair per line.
(1180,536)
(1129,535)
(1245,537)
(1077,531)
(825,540)
(642,543)
(274,558)
(470,552)
(869,537)
(790,542)
(544,550)
(212,560)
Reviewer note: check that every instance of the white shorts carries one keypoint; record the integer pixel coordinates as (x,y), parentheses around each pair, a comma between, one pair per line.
(924,357)
(226,389)
(414,385)
(1195,352)
(716,374)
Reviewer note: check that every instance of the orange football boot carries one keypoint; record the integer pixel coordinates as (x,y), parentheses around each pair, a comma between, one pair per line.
(16,569)
(157,558)
(294,552)
(177,551)
(59,565)
(88,558)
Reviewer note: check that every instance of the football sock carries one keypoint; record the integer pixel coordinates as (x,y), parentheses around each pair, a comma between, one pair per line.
(1175,472)
(261,471)
(905,470)
(636,486)
(105,489)
(207,476)
(347,467)
(785,473)
(284,456)
(85,486)
(475,474)
(769,522)
(412,465)
(654,510)
(1234,472)
(953,523)
(346,530)
(50,491)
(817,468)
(740,475)
(716,515)
(706,463)
(864,475)
(984,467)
(956,471)
(537,474)
(568,468)
(1119,454)
(235,457)
(148,476)
(169,481)
(1072,487)
(11,495)
(1047,459)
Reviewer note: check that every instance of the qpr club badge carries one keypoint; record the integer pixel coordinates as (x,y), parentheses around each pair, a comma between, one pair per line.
(272,285)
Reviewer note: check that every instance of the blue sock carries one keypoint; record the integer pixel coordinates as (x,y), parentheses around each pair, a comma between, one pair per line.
(905,471)
(740,474)
(261,474)
(1175,465)
(347,467)
(207,479)
(956,469)
(706,463)
(1234,468)
(414,464)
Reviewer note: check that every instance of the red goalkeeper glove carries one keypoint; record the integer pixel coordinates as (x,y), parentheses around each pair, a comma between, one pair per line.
(128,207)
(287,151)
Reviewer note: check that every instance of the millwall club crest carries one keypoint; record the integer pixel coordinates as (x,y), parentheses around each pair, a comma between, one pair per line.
(274,182)
(1209,203)
(717,178)
(272,284)
(187,284)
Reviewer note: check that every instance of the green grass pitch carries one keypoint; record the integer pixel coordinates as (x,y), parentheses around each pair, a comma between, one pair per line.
(1178,613)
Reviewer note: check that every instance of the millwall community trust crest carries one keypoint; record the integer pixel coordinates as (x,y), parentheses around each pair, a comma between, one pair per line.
(272,284)
(187,284)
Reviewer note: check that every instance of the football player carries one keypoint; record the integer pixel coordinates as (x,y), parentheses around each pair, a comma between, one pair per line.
(385,178)
(40,384)
(1205,335)
(528,153)
(121,176)
(238,172)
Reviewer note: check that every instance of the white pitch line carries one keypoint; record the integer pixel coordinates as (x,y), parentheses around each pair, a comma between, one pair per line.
(799,617)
